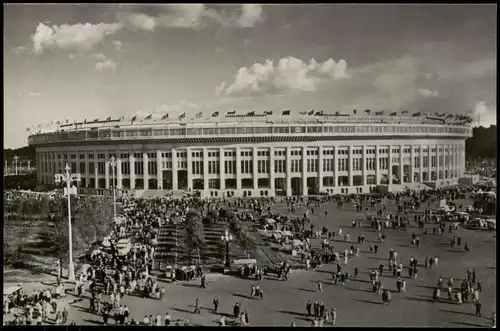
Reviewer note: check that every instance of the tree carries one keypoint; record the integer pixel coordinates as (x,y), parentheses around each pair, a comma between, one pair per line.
(91,220)
(195,240)
(246,241)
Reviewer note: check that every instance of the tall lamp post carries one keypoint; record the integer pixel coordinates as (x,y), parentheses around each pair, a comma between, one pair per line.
(15,162)
(68,178)
(112,163)
(227,238)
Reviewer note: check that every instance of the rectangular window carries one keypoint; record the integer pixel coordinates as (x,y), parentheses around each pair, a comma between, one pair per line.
(82,167)
(91,168)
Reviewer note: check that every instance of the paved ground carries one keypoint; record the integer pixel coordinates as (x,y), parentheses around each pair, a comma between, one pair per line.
(356,305)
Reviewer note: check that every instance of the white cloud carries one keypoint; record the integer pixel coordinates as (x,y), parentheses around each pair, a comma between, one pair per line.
(118,44)
(192,16)
(99,57)
(428,93)
(289,74)
(18,50)
(485,114)
(76,37)
(107,65)
(251,14)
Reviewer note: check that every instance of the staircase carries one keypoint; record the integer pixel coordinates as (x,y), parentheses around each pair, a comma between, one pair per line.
(171,240)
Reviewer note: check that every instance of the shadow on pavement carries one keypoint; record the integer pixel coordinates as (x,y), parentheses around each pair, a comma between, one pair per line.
(241,295)
(93,321)
(305,289)
(183,310)
(471,324)
(191,285)
(323,271)
(292,313)
(454,251)
(359,289)
(456,312)
(370,301)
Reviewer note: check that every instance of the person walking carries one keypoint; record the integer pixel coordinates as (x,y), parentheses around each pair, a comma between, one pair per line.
(320,286)
(478,308)
(197,307)
(333,314)
(215,303)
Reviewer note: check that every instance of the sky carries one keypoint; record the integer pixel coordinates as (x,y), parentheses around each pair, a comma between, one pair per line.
(81,62)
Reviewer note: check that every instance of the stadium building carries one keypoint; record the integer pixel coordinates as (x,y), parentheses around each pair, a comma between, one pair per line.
(257,155)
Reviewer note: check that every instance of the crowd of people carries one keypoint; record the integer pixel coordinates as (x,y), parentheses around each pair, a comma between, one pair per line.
(111,275)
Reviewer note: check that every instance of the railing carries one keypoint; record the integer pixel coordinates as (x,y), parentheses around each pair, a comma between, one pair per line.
(128,133)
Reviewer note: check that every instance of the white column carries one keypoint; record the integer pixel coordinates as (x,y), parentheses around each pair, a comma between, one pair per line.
(412,163)
(377,166)
(132,170)
(96,173)
(321,158)
(438,164)
(349,160)
(271,170)
(336,168)
(389,159)
(159,171)
(363,169)
(106,173)
(255,173)
(420,170)
(145,175)
(119,177)
(238,169)
(222,169)
(429,163)
(304,170)
(205,170)
(288,171)
(175,184)
(401,164)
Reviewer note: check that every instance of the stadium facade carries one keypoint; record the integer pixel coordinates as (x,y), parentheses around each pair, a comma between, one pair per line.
(257,155)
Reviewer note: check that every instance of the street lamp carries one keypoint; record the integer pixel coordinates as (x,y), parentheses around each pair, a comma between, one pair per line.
(227,238)
(112,163)
(68,178)
(15,162)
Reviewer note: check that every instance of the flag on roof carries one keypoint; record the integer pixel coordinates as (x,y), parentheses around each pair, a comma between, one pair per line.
(150,116)
(108,119)
(268,112)
(133,118)
(393,113)
(404,112)
(182,116)
(285,112)
(416,114)
(311,112)
(379,113)
(337,113)
(319,113)
(85,121)
(164,117)
(354,111)
(367,111)
(252,113)
(199,114)
(215,114)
